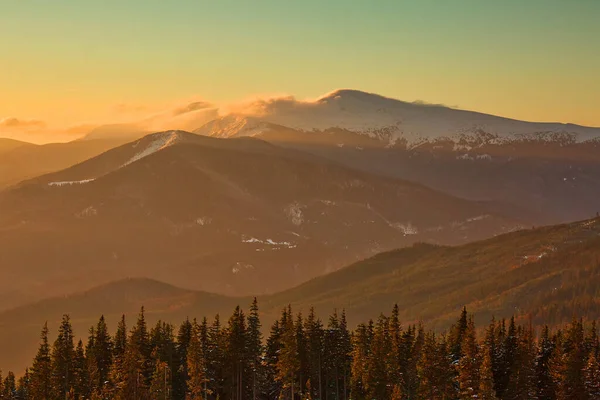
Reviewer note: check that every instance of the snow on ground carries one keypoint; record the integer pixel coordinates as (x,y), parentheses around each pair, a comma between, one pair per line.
(269,242)
(295,214)
(69,183)
(161,140)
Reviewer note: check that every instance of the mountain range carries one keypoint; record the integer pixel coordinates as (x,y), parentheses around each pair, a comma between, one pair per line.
(546,170)
(352,201)
(231,216)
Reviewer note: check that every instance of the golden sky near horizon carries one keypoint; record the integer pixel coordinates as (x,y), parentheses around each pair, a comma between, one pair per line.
(68,66)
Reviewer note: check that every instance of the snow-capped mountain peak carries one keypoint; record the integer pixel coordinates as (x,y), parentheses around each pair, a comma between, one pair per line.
(390,120)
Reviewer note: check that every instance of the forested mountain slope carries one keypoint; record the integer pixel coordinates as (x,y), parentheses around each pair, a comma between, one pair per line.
(545,275)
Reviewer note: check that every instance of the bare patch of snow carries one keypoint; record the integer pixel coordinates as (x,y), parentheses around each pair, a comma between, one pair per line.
(70,183)
(295,214)
(405,228)
(87,212)
(202,221)
(160,141)
(270,242)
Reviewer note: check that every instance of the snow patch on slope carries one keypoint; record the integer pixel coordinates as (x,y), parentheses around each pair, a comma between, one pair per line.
(161,141)
(70,183)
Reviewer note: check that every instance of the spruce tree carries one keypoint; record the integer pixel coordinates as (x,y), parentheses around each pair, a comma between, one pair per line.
(118,370)
(181,376)
(592,377)
(377,380)
(102,356)
(81,382)
(24,386)
(272,351)
(361,350)
(301,345)
(314,344)
(486,376)
(571,371)
(196,365)
(288,363)
(63,352)
(9,390)
(236,362)
(135,376)
(254,350)
(455,337)
(41,371)
(545,383)
(216,358)
(469,364)
(160,382)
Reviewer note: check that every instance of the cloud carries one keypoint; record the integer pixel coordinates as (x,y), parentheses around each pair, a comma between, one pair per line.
(15,123)
(194,106)
(426,103)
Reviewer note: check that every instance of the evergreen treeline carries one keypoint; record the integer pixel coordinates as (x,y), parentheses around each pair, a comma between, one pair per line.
(306,358)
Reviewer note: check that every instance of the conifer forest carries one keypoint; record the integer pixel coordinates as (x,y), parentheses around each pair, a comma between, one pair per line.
(303,357)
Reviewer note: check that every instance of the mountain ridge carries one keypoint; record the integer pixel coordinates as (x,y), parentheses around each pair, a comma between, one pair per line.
(392,121)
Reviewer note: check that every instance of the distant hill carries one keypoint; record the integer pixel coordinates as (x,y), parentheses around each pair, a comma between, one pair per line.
(10,144)
(545,275)
(235,216)
(25,161)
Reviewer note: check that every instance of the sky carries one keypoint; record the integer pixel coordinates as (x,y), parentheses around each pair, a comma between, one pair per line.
(68,65)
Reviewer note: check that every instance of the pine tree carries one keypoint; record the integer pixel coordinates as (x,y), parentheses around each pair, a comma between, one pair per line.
(134,379)
(272,351)
(433,369)
(301,345)
(288,363)
(314,344)
(592,377)
(160,382)
(455,337)
(118,371)
(469,364)
(395,366)
(377,380)
(344,354)
(236,361)
(102,356)
(196,365)
(81,384)
(361,350)
(486,376)
(255,350)
(216,358)
(41,371)
(140,339)
(9,390)
(570,373)
(181,376)
(63,352)
(522,382)
(545,384)
(24,386)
